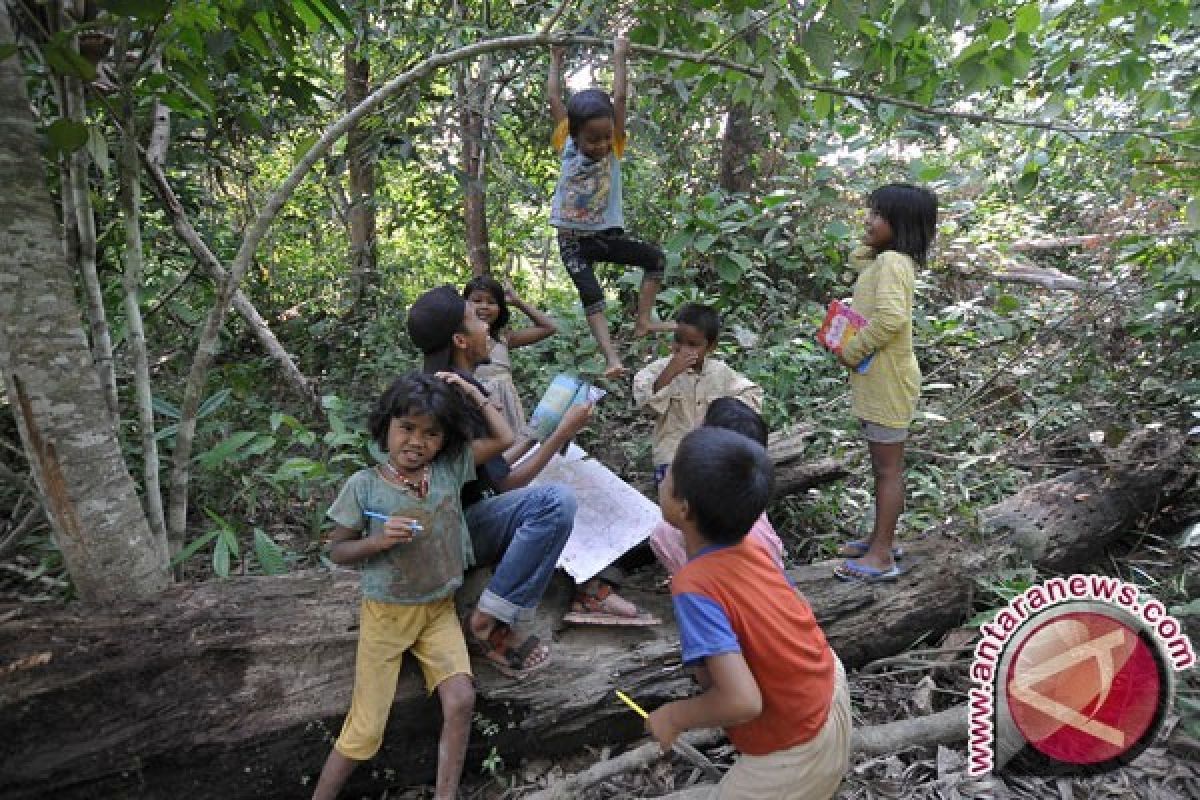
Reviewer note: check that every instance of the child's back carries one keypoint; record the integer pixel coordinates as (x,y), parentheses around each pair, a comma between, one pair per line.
(769,676)
(776,631)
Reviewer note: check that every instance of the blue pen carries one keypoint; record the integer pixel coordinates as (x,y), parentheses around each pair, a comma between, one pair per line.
(414,526)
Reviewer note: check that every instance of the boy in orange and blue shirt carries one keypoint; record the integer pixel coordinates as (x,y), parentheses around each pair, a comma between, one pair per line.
(769,676)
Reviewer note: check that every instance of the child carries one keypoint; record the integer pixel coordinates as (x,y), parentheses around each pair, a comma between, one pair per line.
(522,531)
(769,676)
(901,220)
(732,415)
(412,562)
(525,526)
(491,305)
(590,133)
(679,389)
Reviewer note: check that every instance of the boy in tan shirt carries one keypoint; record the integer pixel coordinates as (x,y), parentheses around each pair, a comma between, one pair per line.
(680,388)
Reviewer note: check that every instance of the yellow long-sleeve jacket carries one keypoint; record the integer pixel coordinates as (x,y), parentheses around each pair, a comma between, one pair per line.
(887,392)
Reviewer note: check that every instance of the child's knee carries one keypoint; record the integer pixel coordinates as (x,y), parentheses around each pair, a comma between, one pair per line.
(457,694)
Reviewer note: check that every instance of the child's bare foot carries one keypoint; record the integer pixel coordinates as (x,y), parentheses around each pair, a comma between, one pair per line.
(615,371)
(652,326)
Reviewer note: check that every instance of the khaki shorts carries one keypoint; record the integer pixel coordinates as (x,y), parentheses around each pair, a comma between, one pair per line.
(386,631)
(881,434)
(809,771)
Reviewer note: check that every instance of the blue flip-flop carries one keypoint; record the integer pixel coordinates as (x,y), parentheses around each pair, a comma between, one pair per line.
(857,548)
(851,570)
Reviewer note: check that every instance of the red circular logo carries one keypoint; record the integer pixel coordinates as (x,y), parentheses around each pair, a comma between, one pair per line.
(1085,688)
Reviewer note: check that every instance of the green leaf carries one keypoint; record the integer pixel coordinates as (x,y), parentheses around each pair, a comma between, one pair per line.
(1027,18)
(136,9)
(728,270)
(67,135)
(822,105)
(62,57)
(1026,183)
(163,407)
(845,12)
(1006,304)
(837,229)
(220,558)
(7,50)
(227,450)
(704,241)
(331,13)
(819,44)
(269,554)
(230,537)
(215,401)
(192,548)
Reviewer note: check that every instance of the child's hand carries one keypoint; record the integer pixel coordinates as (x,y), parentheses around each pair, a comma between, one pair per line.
(468,391)
(684,359)
(662,727)
(397,530)
(510,294)
(576,418)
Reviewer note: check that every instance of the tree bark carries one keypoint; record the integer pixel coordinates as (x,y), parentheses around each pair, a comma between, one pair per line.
(235,688)
(360,164)
(51,379)
(473,94)
(739,145)
(130,200)
(85,225)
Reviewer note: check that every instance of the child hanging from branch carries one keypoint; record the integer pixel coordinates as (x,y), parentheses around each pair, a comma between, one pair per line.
(589,131)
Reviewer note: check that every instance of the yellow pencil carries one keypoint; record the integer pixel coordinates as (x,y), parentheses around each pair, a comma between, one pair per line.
(629,702)
(683,748)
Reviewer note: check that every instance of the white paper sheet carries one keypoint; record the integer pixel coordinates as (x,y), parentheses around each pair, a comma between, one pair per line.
(612,517)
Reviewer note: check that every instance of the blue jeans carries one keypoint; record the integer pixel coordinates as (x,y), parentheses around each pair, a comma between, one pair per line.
(524,530)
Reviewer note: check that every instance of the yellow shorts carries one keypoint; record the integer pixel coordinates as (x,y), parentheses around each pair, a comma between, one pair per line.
(386,631)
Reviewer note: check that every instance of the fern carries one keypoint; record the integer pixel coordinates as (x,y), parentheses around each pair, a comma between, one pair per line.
(270,554)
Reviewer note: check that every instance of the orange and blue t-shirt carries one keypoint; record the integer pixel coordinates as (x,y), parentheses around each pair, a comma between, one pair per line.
(735,599)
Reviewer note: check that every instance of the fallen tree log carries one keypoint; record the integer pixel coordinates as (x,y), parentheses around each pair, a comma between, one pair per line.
(944,727)
(234,689)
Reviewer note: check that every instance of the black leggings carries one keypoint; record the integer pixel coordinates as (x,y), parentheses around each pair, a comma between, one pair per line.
(580,250)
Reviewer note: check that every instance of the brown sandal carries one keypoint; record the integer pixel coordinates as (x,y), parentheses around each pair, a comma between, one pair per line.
(498,651)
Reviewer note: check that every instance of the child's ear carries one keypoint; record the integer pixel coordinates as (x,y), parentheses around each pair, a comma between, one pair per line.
(459,340)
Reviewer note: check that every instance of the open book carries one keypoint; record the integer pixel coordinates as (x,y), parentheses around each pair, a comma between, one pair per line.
(841,323)
(562,393)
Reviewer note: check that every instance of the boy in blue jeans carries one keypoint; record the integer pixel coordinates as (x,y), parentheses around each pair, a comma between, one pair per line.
(769,676)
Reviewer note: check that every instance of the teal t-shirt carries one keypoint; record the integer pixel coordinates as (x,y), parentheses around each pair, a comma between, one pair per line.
(429,567)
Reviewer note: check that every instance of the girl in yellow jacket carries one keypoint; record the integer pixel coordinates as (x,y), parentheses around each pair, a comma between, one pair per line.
(901,220)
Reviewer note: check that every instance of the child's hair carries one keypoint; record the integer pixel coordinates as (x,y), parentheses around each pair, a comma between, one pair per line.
(704,318)
(726,480)
(734,415)
(486,283)
(911,211)
(418,393)
(586,105)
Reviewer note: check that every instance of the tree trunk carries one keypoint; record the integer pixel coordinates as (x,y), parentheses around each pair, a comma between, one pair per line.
(52,382)
(739,145)
(234,689)
(130,199)
(360,163)
(473,92)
